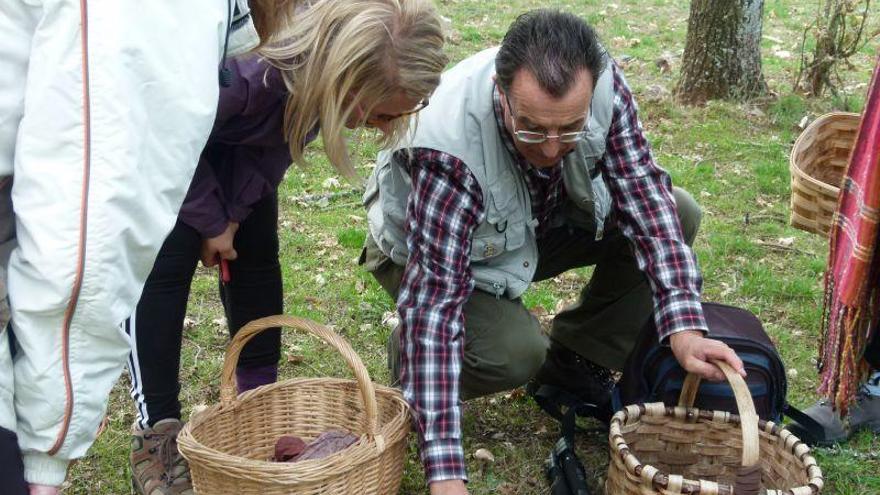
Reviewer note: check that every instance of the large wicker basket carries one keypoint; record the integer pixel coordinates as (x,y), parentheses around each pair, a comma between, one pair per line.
(818,161)
(657,449)
(229,445)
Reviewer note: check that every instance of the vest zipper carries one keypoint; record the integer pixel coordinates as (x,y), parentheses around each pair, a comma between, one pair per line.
(499,289)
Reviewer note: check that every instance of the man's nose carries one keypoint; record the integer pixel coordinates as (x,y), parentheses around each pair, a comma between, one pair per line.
(551,147)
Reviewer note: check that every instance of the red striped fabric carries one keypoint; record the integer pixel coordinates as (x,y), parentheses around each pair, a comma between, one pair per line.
(851,287)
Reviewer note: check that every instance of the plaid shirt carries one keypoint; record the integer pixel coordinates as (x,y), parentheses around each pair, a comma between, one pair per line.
(446,205)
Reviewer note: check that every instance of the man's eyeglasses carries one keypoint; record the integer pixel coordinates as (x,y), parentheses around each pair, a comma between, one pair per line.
(384,118)
(534,137)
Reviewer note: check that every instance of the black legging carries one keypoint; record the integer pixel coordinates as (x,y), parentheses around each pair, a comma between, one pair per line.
(11,468)
(254,291)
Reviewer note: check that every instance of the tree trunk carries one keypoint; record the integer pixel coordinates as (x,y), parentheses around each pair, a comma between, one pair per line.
(722,54)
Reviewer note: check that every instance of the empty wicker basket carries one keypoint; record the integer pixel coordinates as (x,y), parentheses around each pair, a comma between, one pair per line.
(229,445)
(663,450)
(818,161)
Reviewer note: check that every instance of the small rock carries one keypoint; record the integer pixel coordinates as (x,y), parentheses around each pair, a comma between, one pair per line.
(498,435)
(656,92)
(330,183)
(320,280)
(792,372)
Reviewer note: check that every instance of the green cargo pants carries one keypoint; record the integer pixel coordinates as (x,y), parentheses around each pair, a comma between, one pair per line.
(504,346)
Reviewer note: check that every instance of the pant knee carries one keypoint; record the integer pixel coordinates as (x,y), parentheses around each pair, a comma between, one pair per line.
(689,214)
(510,366)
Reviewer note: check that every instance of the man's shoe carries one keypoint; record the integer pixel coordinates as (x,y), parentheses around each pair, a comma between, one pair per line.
(566,370)
(157,468)
(864,414)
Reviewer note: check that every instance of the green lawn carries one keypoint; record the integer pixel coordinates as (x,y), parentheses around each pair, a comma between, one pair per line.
(733,158)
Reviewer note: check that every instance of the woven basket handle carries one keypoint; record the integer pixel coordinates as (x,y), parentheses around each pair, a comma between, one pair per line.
(249,331)
(744,403)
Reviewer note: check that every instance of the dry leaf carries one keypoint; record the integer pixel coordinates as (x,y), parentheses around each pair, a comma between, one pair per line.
(390,319)
(804,121)
(295,358)
(783,54)
(330,183)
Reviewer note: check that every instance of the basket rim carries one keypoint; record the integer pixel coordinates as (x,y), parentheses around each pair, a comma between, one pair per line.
(338,463)
(795,168)
(659,479)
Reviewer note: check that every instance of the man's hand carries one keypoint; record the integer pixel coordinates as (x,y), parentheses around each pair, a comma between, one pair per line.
(448,487)
(44,490)
(695,353)
(220,246)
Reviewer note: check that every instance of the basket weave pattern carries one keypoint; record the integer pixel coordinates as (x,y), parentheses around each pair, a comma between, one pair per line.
(228,445)
(818,162)
(659,449)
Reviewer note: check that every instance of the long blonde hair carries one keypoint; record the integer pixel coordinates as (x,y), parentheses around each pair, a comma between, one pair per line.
(271,17)
(337,55)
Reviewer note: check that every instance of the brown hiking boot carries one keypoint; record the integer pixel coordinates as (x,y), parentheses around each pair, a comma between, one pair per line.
(157,468)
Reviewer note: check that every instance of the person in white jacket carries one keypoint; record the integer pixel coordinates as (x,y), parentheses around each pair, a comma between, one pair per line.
(104,109)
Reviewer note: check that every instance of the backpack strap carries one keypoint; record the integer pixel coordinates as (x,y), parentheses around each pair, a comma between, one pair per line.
(564,469)
(565,408)
(814,431)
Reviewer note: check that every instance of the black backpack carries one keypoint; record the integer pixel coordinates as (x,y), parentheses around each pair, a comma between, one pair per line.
(652,374)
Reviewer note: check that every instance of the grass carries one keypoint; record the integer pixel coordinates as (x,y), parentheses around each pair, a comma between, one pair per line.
(732,157)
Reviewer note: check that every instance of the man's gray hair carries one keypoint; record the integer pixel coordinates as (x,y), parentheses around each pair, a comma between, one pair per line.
(554,46)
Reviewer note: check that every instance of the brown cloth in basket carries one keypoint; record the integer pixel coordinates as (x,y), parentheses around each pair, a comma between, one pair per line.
(748,480)
(288,448)
(292,449)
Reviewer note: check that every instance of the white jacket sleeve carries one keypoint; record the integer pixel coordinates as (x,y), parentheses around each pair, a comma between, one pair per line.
(119,98)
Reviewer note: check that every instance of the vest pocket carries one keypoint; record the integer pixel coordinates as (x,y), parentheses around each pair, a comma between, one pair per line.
(493,239)
(487,242)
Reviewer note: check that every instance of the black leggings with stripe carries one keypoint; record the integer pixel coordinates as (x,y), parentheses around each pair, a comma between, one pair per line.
(156,328)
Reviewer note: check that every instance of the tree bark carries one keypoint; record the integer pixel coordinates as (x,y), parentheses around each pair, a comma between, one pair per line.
(722,54)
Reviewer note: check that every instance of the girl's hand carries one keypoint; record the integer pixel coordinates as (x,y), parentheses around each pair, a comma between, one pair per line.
(220,247)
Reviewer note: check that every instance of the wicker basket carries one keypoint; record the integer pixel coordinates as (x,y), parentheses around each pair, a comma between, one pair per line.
(657,449)
(818,161)
(228,445)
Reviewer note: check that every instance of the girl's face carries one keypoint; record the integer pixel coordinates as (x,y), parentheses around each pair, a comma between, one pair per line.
(385,112)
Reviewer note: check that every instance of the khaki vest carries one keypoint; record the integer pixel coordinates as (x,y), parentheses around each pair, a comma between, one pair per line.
(461,121)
